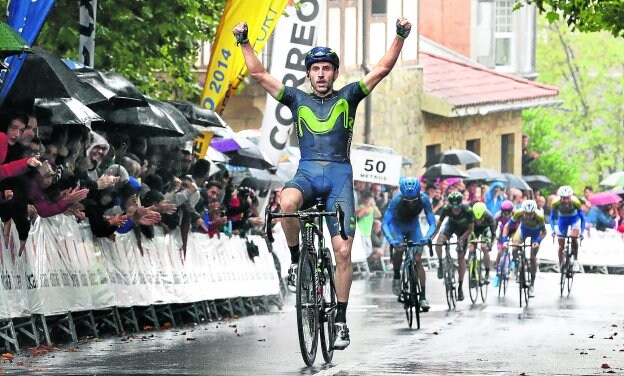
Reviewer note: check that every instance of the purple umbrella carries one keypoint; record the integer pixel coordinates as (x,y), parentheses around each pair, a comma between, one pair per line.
(225,145)
(604,198)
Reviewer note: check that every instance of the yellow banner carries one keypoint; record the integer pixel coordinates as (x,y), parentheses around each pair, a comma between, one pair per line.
(201,143)
(227,66)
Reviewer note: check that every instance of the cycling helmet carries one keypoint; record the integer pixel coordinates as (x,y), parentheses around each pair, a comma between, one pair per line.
(479,210)
(455,199)
(410,187)
(321,54)
(565,191)
(529,206)
(507,205)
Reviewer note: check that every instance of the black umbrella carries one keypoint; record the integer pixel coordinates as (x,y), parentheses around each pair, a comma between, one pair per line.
(537,181)
(125,92)
(479,173)
(150,121)
(190,133)
(59,111)
(199,115)
(44,75)
(454,157)
(512,181)
(444,171)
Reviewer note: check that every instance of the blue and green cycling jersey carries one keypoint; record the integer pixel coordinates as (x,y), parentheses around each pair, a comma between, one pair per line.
(324,125)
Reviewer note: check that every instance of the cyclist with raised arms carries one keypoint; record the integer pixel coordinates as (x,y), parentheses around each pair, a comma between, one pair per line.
(485,226)
(461,223)
(532,226)
(501,218)
(323,120)
(401,220)
(571,216)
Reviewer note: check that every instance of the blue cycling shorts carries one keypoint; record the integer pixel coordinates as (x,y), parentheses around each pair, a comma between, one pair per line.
(523,233)
(399,231)
(331,181)
(563,223)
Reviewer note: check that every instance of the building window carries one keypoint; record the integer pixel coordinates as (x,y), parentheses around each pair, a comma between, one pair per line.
(504,32)
(475,147)
(379,7)
(507,152)
(433,154)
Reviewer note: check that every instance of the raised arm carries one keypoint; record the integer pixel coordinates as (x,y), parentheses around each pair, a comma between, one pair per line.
(271,84)
(385,65)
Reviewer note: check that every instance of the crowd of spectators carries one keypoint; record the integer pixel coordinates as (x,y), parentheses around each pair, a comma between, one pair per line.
(119,183)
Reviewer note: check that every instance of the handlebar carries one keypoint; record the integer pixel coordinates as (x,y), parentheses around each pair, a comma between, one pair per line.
(409,243)
(305,215)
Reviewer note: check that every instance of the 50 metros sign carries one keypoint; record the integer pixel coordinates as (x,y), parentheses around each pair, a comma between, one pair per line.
(374,167)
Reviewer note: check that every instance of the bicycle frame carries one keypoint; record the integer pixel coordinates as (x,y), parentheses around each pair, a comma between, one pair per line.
(566,269)
(524,271)
(411,289)
(476,280)
(450,283)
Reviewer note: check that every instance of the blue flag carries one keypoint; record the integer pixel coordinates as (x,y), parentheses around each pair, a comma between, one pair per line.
(27,18)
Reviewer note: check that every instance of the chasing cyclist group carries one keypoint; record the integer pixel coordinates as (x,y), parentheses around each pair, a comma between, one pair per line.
(511,225)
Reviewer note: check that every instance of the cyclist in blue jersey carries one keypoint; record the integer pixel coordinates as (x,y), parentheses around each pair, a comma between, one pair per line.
(568,206)
(323,120)
(401,220)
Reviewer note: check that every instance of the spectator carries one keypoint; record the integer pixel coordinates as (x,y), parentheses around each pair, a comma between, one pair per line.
(378,242)
(495,197)
(600,218)
(587,193)
(380,196)
(527,156)
(366,213)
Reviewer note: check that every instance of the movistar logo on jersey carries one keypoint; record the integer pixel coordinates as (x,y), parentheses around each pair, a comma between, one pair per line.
(320,126)
(352,223)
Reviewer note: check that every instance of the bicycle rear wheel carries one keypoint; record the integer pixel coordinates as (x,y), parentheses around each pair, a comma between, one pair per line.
(328,312)
(415,293)
(307,307)
(473,277)
(522,277)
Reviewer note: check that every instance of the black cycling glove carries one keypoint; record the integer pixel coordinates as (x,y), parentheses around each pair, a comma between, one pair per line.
(242,37)
(401,30)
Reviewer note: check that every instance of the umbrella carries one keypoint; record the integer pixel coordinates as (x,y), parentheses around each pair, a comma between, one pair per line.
(444,171)
(214,155)
(605,198)
(199,115)
(537,181)
(125,92)
(619,191)
(176,118)
(454,157)
(512,181)
(251,156)
(615,179)
(151,121)
(225,145)
(479,173)
(11,43)
(58,111)
(44,75)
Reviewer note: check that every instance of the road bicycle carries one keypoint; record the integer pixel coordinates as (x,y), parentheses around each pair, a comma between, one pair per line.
(477,285)
(411,291)
(524,271)
(316,300)
(567,268)
(503,271)
(450,283)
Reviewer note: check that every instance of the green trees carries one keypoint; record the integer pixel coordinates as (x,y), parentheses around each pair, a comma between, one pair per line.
(152,42)
(587,130)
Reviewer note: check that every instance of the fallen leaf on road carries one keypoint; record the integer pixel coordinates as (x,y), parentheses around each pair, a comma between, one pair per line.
(615,334)
(611,371)
(436,333)
(148,327)
(183,333)
(191,338)
(571,334)
(591,336)
(19,364)
(238,334)
(610,337)
(232,325)
(71,349)
(262,340)
(605,366)
(614,326)
(583,353)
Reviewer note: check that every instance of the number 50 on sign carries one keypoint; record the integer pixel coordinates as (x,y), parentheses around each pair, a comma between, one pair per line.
(374,167)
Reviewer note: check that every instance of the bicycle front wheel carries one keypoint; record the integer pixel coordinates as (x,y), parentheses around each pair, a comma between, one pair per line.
(415,293)
(449,279)
(473,277)
(483,287)
(307,307)
(570,273)
(328,312)
(522,278)
(406,287)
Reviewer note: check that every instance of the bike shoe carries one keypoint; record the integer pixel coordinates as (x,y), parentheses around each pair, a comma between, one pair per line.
(424,305)
(396,287)
(342,336)
(496,281)
(440,272)
(460,295)
(576,267)
(292,278)
(531,291)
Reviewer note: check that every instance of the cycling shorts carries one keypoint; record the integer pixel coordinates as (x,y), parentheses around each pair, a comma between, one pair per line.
(450,229)
(399,231)
(574,223)
(332,182)
(522,234)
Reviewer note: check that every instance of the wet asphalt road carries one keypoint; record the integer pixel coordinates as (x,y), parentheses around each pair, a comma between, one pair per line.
(574,335)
